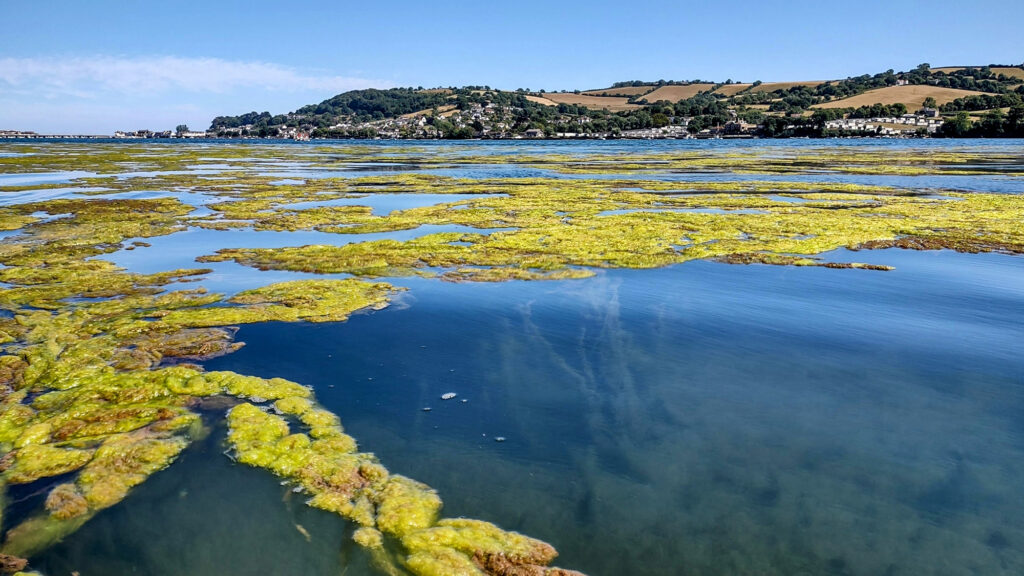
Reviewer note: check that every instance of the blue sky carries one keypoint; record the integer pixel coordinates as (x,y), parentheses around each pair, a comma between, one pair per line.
(102,65)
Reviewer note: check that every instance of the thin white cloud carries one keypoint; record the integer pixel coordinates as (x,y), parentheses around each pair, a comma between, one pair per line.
(95,76)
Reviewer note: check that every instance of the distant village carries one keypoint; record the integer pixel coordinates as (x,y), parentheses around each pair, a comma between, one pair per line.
(487,123)
(163,134)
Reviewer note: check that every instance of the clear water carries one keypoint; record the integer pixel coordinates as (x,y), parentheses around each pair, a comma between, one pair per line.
(698,419)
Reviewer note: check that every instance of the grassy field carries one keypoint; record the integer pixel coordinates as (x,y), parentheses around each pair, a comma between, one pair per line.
(913,96)
(1010,71)
(732,89)
(626,91)
(613,103)
(979,114)
(540,100)
(773,86)
(1007,70)
(677,93)
(440,110)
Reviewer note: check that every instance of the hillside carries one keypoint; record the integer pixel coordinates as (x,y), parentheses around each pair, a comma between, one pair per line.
(1013,71)
(731,89)
(911,96)
(540,100)
(648,108)
(358,104)
(627,91)
(677,93)
(613,103)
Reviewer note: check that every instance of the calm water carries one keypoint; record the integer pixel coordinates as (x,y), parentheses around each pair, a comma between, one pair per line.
(697,419)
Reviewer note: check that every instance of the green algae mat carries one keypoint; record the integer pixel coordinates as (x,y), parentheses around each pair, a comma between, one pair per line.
(102,379)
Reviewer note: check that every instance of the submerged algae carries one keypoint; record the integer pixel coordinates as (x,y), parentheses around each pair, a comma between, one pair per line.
(387,506)
(113,425)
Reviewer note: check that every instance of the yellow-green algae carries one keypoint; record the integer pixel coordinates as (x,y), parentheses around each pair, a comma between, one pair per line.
(108,414)
(87,394)
(84,394)
(113,426)
(324,462)
(310,300)
(561,238)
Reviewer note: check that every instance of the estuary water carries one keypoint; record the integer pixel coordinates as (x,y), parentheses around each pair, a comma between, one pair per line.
(703,418)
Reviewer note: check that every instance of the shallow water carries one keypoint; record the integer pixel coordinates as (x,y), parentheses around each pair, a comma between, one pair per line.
(698,419)
(703,418)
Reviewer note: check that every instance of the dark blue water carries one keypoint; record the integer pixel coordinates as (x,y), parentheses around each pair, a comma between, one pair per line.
(700,419)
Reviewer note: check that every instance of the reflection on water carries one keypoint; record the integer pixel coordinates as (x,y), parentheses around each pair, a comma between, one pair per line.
(704,419)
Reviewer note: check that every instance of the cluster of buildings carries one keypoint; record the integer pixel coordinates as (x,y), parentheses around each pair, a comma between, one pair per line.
(17,134)
(494,121)
(672,131)
(486,120)
(927,120)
